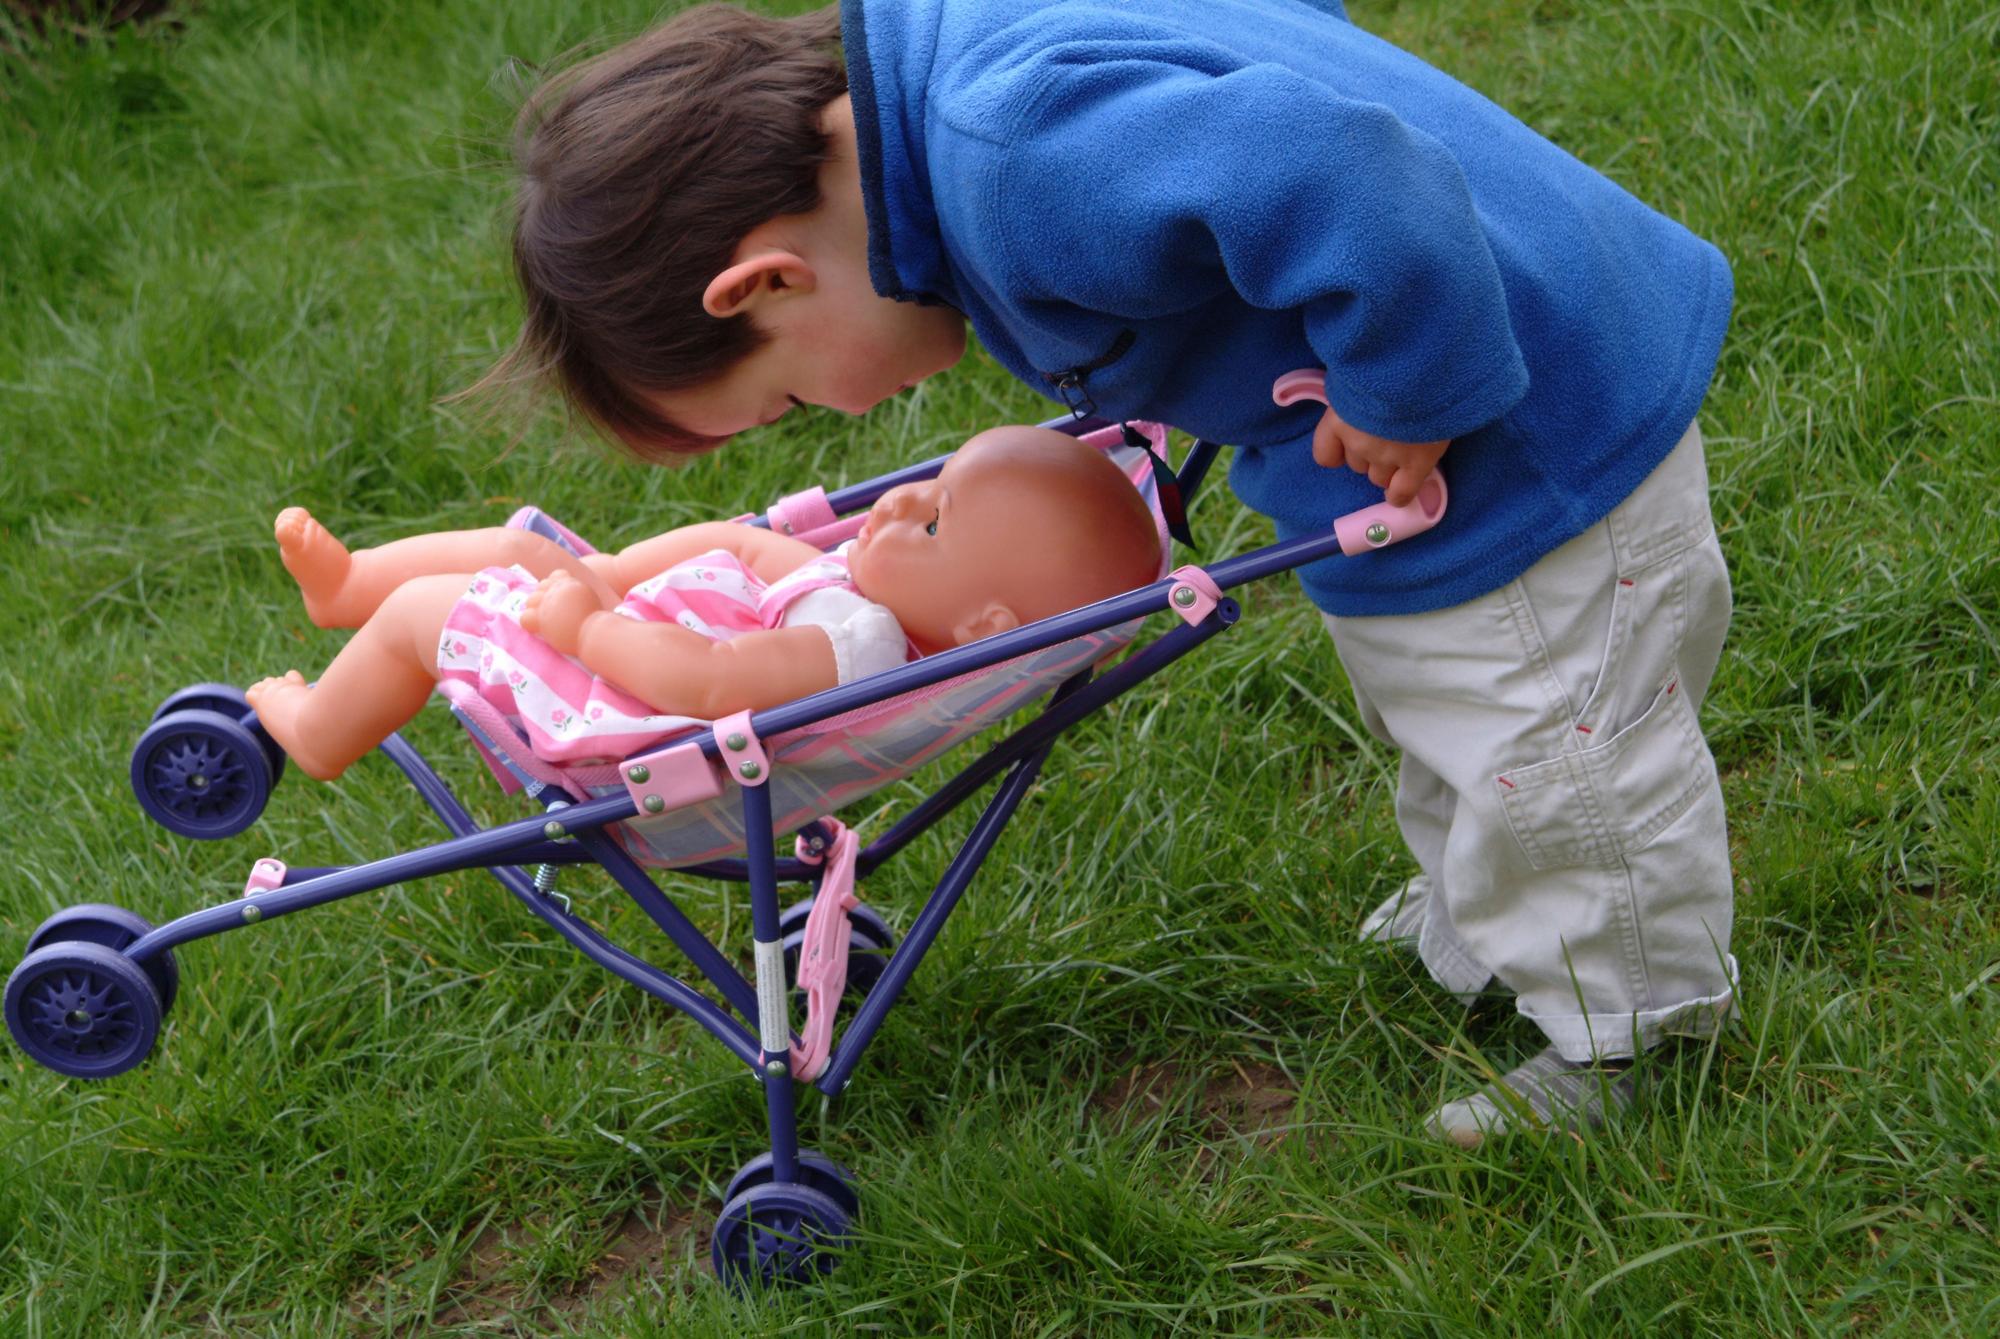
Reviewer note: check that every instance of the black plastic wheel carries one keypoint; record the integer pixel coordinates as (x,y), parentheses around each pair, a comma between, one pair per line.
(82,1010)
(226,700)
(201,774)
(116,929)
(816,1171)
(778,1235)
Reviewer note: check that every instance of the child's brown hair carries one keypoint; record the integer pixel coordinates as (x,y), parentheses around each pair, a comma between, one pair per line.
(641,169)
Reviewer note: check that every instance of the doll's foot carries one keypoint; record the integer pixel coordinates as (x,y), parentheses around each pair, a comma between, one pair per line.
(556,609)
(278,703)
(319,563)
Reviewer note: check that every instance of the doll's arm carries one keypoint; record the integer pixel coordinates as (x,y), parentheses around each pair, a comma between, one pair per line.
(683,673)
(767,554)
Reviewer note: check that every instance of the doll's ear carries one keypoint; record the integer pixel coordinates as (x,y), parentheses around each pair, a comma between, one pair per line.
(991,619)
(744,285)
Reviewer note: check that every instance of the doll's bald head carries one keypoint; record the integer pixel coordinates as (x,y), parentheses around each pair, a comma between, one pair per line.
(1021,524)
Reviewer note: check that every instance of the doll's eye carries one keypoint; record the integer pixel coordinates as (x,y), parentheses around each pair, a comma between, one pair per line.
(931,529)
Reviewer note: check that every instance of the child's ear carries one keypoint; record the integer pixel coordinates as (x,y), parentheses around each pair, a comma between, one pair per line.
(743,285)
(991,619)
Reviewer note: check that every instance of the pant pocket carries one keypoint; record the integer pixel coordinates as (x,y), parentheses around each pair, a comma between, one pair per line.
(1600,804)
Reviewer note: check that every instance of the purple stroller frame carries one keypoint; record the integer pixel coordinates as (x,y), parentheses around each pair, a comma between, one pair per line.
(575,832)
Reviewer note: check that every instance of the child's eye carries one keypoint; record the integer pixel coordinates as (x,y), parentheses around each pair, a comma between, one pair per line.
(931,529)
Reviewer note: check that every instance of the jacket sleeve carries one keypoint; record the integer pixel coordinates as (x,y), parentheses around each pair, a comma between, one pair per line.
(1142,176)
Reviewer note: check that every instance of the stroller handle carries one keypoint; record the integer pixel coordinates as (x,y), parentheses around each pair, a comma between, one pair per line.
(1383,524)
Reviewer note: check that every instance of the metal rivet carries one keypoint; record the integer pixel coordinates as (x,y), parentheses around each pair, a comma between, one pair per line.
(1378,533)
(640,773)
(1184,596)
(751,771)
(554,831)
(252,914)
(775,1068)
(197,782)
(79,1018)
(736,743)
(654,804)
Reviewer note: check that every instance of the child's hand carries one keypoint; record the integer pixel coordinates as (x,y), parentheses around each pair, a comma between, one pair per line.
(1398,468)
(556,609)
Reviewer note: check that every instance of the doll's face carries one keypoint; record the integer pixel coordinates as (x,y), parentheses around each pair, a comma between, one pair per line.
(927,551)
(1020,524)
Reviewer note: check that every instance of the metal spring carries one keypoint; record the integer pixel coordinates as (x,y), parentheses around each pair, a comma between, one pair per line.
(545,884)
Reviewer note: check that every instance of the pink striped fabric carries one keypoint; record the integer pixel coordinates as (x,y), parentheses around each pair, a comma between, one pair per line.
(568,714)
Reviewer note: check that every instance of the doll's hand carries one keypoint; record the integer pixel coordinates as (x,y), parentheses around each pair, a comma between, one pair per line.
(556,609)
(1398,468)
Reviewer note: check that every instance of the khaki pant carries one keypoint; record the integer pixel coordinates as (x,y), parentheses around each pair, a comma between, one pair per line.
(1555,787)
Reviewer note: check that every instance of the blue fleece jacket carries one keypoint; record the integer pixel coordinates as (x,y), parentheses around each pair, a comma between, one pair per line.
(1156,207)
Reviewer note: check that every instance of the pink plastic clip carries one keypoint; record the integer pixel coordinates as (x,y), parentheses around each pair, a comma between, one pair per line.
(1382,524)
(669,778)
(823,949)
(742,752)
(798,513)
(1194,594)
(265,875)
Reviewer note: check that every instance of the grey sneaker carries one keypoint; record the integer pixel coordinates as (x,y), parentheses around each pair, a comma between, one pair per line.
(1398,920)
(1544,1093)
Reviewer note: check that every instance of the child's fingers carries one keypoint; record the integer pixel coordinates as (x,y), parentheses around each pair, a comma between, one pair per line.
(1402,489)
(1328,449)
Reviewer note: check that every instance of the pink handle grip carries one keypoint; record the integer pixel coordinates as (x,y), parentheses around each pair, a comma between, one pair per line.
(1381,525)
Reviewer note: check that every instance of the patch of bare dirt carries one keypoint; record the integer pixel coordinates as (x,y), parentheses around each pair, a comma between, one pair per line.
(1250,1099)
(652,1241)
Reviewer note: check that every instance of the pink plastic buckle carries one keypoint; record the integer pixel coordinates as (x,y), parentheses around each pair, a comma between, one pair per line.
(266,875)
(798,513)
(669,779)
(1382,524)
(742,751)
(823,950)
(1194,593)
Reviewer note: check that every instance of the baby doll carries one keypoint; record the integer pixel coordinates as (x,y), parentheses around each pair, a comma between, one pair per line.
(1022,523)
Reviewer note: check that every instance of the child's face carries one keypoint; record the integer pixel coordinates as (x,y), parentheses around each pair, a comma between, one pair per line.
(840,345)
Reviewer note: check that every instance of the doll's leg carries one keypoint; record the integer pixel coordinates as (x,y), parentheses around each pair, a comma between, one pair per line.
(341,589)
(379,680)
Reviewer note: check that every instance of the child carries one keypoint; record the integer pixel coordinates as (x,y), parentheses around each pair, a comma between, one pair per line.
(703,621)
(1152,210)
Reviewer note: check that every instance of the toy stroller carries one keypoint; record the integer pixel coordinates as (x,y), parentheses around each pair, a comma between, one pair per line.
(88,998)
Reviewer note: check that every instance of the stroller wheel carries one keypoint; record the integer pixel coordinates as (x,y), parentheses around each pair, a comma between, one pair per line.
(83,1010)
(116,929)
(778,1234)
(226,700)
(201,774)
(816,1171)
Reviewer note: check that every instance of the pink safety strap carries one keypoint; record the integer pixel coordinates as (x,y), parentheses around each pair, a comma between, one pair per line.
(823,948)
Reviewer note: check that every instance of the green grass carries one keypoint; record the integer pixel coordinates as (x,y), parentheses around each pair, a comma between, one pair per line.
(241,259)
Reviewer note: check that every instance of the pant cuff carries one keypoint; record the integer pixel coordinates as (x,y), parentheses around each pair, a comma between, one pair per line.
(1612,1036)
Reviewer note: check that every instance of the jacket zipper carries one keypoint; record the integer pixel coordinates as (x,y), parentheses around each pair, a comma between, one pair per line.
(1070,384)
